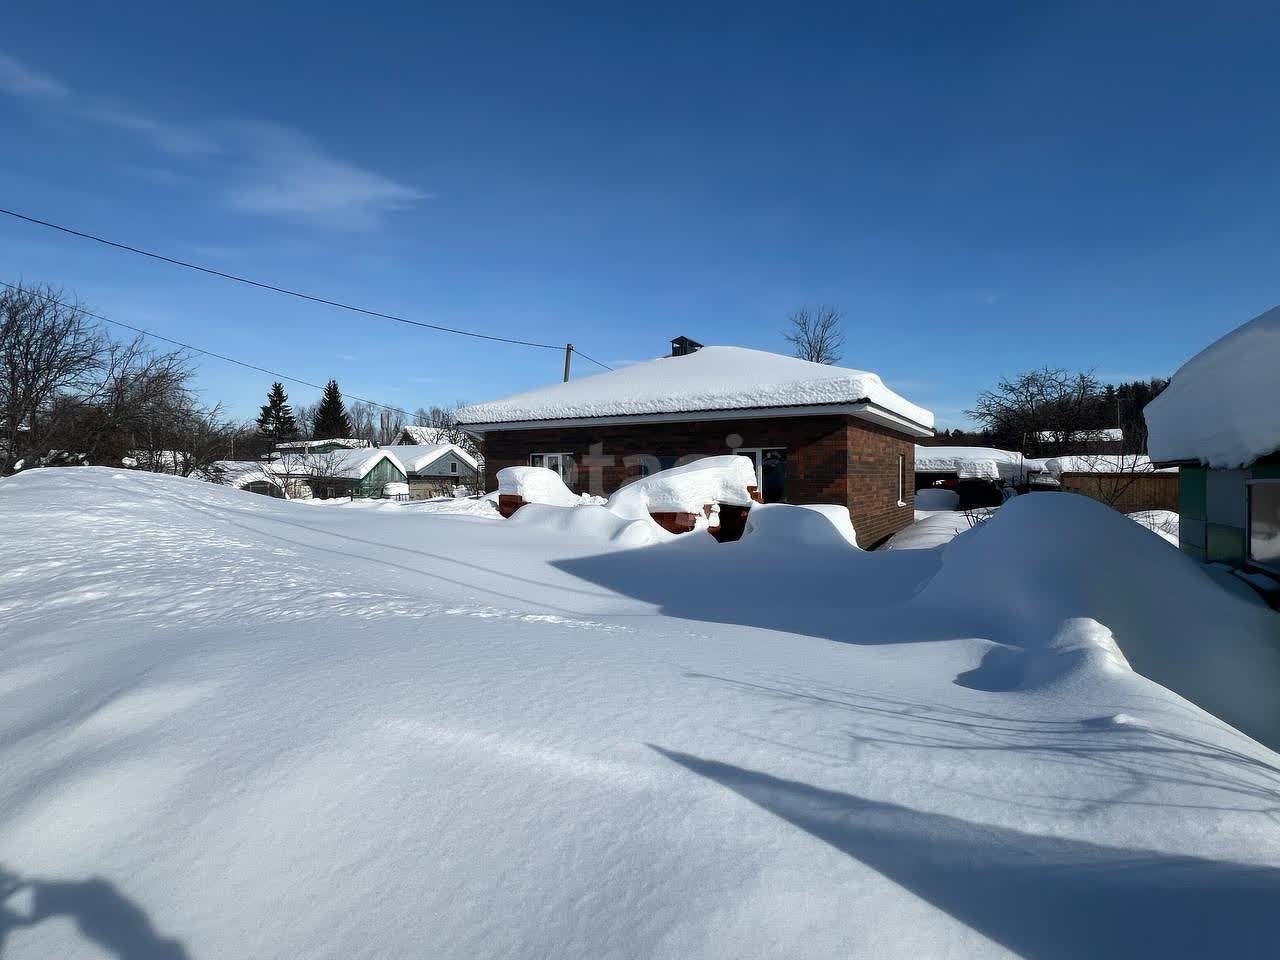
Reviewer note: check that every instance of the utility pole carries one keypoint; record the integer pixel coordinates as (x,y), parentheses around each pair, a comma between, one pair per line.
(568,355)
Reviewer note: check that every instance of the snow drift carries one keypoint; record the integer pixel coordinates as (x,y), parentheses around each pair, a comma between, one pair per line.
(236,726)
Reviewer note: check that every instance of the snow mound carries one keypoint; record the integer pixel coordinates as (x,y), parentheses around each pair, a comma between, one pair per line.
(1176,625)
(688,488)
(809,525)
(713,378)
(1164,523)
(1074,656)
(930,530)
(591,521)
(937,498)
(536,485)
(1220,409)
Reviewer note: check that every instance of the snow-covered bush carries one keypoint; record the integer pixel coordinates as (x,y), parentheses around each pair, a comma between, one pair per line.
(688,488)
(536,485)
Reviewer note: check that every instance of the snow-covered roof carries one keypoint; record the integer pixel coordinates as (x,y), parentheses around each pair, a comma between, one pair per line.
(418,436)
(239,473)
(1221,408)
(1099,463)
(1080,436)
(416,457)
(712,379)
(309,444)
(973,462)
(345,464)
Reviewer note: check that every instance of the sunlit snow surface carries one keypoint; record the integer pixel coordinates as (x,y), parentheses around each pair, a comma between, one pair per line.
(232,726)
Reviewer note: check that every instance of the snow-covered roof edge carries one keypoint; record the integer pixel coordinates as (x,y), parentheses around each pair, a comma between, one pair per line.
(1220,409)
(710,381)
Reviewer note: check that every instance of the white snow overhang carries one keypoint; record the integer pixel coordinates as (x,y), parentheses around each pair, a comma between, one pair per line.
(863,409)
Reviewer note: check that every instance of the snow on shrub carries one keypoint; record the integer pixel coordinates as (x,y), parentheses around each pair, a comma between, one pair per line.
(688,488)
(808,525)
(536,485)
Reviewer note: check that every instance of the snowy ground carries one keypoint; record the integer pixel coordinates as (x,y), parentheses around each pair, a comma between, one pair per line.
(232,726)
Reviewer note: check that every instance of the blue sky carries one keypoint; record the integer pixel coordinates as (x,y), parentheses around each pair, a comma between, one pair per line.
(979,188)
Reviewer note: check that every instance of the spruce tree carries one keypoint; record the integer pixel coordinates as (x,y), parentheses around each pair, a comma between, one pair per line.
(332,422)
(276,423)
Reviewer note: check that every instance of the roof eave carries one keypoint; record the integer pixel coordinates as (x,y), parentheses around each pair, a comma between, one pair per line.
(865,409)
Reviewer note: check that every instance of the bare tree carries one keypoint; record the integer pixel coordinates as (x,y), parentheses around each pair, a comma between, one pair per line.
(1041,408)
(816,335)
(47,346)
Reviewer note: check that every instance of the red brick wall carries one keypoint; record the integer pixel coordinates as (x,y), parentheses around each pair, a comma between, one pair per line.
(873,472)
(834,459)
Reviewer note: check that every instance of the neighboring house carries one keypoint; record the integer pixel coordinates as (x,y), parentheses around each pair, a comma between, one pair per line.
(814,433)
(249,475)
(321,446)
(434,469)
(1218,421)
(338,473)
(421,436)
(975,473)
(1108,440)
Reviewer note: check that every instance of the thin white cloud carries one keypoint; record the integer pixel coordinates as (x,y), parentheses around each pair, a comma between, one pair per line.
(171,138)
(288,174)
(18,79)
(271,169)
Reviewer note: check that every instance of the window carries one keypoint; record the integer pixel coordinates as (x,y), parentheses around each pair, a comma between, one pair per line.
(561,463)
(771,471)
(453,466)
(1264,523)
(902,479)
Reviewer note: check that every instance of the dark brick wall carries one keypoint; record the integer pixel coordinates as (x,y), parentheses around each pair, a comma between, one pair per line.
(836,459)
(874,472)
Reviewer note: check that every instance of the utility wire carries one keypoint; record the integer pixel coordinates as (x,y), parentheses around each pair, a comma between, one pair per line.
(285,290)
(271,286)
(195,349)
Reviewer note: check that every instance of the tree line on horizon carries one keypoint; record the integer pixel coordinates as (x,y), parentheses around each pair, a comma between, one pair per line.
(71,394)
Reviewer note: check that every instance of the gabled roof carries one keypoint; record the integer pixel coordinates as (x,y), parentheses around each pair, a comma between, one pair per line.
(417,457)
(1222,408)
(344,464)
(420,436)
(309,444)
(712,379)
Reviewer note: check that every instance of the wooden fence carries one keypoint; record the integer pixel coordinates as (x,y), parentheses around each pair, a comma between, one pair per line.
(1127,492)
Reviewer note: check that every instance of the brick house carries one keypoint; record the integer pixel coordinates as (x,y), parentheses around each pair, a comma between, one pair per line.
(814,433)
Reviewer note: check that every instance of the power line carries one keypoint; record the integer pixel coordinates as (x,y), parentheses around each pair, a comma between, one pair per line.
(585,357)
(285,290)
(277,289)
(195,349)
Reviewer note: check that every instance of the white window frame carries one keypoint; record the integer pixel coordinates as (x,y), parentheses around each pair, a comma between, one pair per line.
(757,459)
(561,457)
(1248,525)
(902,480)
(453,467)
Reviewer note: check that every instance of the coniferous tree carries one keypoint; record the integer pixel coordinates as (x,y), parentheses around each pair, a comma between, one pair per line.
(276,423)
(332,421)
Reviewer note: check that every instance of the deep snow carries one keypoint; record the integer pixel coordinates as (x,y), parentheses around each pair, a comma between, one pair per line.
(232,726)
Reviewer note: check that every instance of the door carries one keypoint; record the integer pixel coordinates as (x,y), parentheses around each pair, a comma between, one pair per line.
(771,471)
